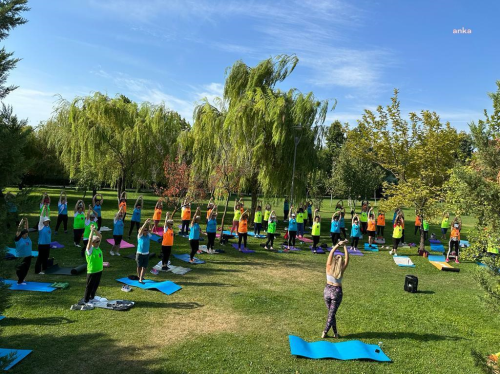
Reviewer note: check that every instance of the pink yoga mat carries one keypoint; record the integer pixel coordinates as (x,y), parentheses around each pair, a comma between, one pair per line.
(305,240)
(158,232)
(123,244)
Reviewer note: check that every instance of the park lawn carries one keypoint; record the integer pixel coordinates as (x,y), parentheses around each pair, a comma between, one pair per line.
(235,312)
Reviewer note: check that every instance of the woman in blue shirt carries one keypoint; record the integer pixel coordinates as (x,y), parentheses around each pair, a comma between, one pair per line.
(292,230)
(285,209)
(335,228)
(62,212)
(23,252)
(212,230)
(117,232)
(355,232)
(136,215)
(44,239)
(142,255)
(194,235)
(97,201)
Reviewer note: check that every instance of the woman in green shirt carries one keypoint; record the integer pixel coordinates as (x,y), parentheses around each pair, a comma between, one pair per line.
(93,255)
(79,222)
(271,230)
(445,225)
(257,220)
(316,230)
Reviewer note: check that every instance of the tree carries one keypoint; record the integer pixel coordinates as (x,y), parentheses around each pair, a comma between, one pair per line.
(124,143)
(420,153)
(262,122)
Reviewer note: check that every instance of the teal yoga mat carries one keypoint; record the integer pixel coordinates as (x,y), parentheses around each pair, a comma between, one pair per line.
(30,286)
(18,355)
(260,236)
(436,258)
(185,257)
(374,247)
(12,251)
(437,247)
(350,350)
(167,287)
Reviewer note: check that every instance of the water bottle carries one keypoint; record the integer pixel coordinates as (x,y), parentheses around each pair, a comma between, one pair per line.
(380,345)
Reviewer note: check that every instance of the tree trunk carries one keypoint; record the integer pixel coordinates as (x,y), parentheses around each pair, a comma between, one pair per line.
(422,234)
(224,216)
(254,201)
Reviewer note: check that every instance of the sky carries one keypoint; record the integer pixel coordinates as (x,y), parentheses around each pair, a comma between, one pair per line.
(177,52)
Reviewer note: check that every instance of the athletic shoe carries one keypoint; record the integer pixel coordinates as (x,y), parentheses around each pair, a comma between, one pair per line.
(111,253)
(78,245)
(22,284)
(391,252)
(456,261)
(117,254)
(41,273)
(126,288)
(447,259)
(265,247)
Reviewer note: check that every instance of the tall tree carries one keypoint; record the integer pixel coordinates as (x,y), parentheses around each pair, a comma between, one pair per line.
(420,153)
(262,124)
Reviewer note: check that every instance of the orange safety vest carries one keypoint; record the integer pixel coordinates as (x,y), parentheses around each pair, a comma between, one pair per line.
(168,238)
(371,225)
(381,220)
(157,215)
(242,227)
(186,214)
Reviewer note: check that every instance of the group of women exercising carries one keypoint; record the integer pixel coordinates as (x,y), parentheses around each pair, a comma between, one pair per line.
(87,224)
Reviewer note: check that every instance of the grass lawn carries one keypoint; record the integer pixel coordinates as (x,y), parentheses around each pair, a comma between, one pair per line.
(234,313)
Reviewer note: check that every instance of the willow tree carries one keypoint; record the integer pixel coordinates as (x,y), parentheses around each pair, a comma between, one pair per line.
(121,142)
(420,153)
(260,123)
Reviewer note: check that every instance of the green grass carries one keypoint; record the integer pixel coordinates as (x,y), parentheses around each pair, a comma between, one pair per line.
(235,312)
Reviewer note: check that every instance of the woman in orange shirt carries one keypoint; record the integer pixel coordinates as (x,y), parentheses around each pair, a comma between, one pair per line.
(122,204)
(380,223)
(157,214)
(454,239)
(167,241)
(371,227)
(243,230)
(185,217)
(418,223)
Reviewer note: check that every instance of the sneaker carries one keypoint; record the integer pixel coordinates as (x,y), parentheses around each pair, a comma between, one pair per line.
(447,259)
(22,284)
(456,261)
(126,288)
(265,247)
(272,249)
(78,245)
(111,253)
(41,273)
(117,254)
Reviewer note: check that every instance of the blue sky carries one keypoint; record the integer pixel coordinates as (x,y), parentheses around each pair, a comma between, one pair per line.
(177,51)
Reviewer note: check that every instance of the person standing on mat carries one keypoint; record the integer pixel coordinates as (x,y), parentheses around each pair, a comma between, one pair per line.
(24,249)
(258,220)
(335,228)
(44,240)
(236,217)
(397,234)
(157,214)
(136,216)
(210,207)
(286,209)
(212,230)
(117,232)
(93,255)
(402,215)
(78,222)
(271,230)
(267,214)
(355,232)
(425,227)
(418,223)
(97,201)
(62,212)
(364,218)
(194,235)
(316,230)
(309,212)
(122,204)
(445,225)
(380,224)
(243,230)
(167,241)
(90,220)
(335,269)
(454,244)
(45,203)
(185,217)
(300,222)
(371,230)
(142,255)
(342,223)
(292,230)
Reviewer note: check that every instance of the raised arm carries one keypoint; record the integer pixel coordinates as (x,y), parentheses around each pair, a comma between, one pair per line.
(194,216)
(42,216)
(146,223)
(353,218)
(93,200)
(20,227)
(316,214)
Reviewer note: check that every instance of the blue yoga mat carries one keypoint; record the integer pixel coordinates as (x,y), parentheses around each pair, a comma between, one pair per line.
(185,257)
(373,249)
(167,287)
(434,241)
(243,250)
(30,286)
(155,238)
(464,243)
(351,350)
(318,250)
(56,245)
(2,317)
(260,236)
(19,354)
(439,258)
(12,251)
(226,232)
(437,247)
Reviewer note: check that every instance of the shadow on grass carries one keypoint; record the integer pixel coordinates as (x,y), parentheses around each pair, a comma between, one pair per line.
(152,304)
(401,335)
(426,292)
(46,321)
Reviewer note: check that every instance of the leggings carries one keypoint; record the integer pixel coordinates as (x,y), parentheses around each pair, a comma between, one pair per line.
(403,237)
(93,281)
(380,230)
(333,298)
(342,230)
(132,224)
(99,223)
(354,242)
(43,256)
(77,235)
(84,247)
(395,243)
(62,218)
(258,227)
(291,238)
(195,244)
(211,240)
(22,268)
(417,228)
(335,237)
(285,214)
(310,216)
(364,226)
(270,239)
(242,235)
(185,227)
(315,241)
(300,229)
(426,235)
(166,250)
(234,227)
(453,243)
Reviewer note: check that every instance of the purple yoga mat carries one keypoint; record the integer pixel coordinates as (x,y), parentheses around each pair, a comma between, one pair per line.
(56,245)
(123,244)
(291,248)
(318,250)
(352,253)
(244,250)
